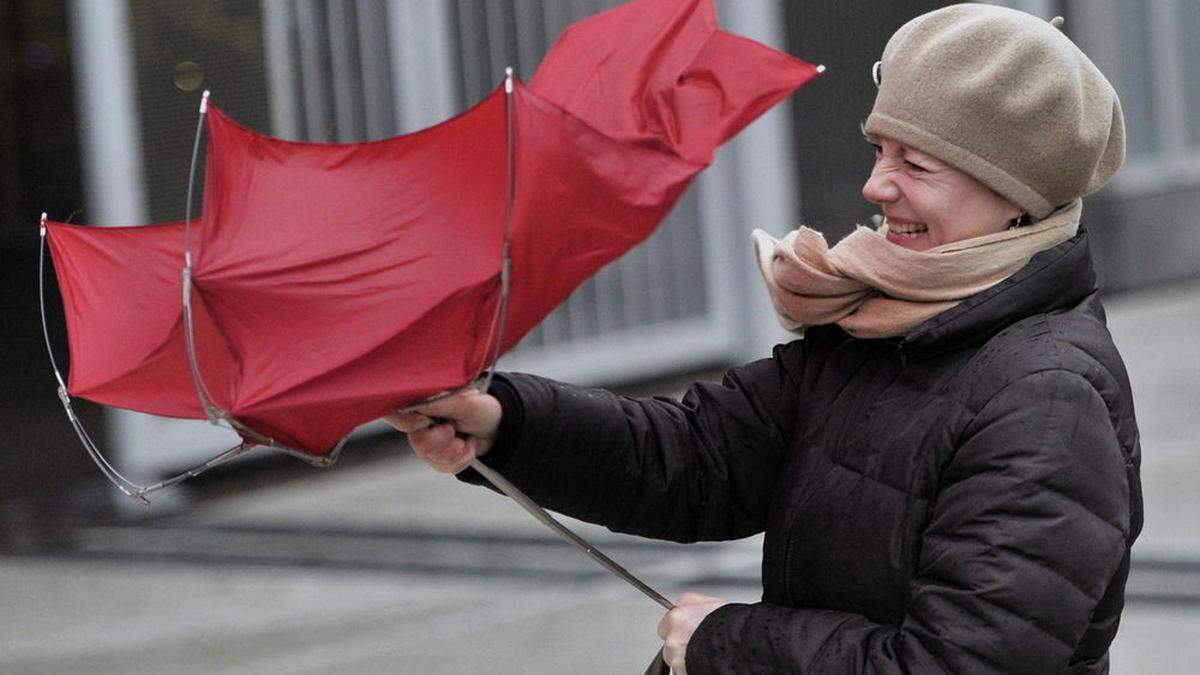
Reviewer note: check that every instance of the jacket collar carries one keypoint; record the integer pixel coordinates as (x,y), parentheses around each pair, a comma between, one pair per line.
(1054,279)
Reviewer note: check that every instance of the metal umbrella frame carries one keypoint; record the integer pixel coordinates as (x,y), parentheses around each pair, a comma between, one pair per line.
(220,417)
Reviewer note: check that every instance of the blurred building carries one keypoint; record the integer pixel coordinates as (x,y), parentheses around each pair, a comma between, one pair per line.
(98,106)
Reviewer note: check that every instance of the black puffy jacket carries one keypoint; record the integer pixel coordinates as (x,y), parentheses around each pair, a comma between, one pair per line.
(961,500)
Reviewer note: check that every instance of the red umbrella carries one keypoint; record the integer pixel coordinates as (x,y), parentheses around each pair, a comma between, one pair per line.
(333,284)
(325,286)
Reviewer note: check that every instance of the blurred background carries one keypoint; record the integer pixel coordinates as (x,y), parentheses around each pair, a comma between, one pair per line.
(377,564)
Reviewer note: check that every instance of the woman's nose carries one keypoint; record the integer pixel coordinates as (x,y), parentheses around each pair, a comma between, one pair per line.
(879,189)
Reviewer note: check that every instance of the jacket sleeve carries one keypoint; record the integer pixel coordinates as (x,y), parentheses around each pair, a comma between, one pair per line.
(1027,530)
(698,469)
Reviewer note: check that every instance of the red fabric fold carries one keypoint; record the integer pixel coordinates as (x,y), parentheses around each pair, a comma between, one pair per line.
(662,74)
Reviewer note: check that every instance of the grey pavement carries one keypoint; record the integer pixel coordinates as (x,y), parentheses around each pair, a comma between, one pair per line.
(388,567)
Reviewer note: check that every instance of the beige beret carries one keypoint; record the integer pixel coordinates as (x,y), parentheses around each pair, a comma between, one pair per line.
(1005,97)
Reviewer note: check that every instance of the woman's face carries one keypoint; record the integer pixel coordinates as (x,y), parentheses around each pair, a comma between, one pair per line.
(927,202)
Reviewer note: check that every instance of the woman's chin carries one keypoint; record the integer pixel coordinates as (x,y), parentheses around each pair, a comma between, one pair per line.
(916,242)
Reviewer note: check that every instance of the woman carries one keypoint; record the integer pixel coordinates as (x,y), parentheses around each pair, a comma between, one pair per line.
(946,465)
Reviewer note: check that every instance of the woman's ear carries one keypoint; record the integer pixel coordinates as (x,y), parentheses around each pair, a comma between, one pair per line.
(1015,215)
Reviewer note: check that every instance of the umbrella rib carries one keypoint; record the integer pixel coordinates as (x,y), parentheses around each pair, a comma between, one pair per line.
(211,411)
(114,476)
(500,482)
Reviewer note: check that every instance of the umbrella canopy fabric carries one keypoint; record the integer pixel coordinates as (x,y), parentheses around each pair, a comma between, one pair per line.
(121,289)
(334,284)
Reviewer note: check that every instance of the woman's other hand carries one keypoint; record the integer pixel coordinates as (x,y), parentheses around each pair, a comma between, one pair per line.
(677,626)
(450,433)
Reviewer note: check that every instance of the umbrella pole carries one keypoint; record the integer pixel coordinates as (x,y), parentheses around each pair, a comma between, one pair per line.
(502,484)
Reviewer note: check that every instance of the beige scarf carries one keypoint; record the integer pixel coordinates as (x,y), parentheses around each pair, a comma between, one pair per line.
(873,288)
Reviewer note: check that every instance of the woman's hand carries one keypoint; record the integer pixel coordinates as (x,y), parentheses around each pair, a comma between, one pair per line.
(677,626)
(450,433)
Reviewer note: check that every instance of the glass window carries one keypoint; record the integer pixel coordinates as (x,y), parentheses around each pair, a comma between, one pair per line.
(1188,23)
(1135,81)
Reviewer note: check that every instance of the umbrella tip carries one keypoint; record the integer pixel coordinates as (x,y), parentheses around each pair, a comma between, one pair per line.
(508,80)
(821,68)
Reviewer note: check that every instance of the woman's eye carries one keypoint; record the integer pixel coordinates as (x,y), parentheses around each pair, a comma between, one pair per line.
(878,148)
(915,167)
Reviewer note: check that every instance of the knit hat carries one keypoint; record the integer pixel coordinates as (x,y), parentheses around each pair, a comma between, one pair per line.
(1006,98)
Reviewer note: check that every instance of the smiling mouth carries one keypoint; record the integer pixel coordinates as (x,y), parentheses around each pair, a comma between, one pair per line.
(906,230)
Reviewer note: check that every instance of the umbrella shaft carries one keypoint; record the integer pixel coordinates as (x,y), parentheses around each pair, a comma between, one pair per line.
(592,552)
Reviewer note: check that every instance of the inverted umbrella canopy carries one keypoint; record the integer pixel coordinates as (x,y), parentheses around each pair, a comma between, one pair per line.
(333,284)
